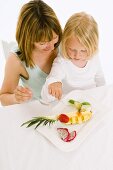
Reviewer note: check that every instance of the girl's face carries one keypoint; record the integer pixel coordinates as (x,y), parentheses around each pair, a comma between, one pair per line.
(47,46)
(76,50)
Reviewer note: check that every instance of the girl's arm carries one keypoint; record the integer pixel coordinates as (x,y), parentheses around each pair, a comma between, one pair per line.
(55,89)
(10,92)
(52,88)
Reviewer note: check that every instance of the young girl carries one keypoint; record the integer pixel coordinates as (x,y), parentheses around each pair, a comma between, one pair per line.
(79,66)
(38,35)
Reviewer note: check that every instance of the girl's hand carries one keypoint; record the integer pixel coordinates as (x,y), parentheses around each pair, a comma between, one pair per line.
(55,89)
(22,94)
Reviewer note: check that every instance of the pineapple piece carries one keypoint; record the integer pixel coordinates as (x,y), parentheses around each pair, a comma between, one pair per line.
(74,119)
(71,116)
(80,119)
(87,115)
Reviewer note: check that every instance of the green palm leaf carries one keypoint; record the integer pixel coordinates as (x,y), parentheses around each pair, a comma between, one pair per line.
(39,120)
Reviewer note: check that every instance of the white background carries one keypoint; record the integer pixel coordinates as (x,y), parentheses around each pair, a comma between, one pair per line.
(101,10)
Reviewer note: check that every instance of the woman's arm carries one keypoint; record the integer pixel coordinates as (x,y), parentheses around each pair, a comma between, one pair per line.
(11,93)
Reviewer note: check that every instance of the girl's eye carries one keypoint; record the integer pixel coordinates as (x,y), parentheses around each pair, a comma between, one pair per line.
(72,50)
(83,51)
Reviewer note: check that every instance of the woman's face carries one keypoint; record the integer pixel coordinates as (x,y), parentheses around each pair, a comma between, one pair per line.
(76,50)
(47,46)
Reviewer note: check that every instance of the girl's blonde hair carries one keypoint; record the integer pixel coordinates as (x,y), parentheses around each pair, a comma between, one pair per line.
(37,22)
(85,28)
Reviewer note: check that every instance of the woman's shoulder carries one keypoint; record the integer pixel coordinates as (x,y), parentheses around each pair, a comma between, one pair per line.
(14,55)
(13,60)
(15,50)
(15,66)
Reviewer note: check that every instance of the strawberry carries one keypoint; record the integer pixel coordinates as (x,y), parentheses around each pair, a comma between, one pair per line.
(63,118)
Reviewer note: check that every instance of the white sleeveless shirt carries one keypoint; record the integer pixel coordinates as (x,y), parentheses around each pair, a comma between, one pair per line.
(36,79)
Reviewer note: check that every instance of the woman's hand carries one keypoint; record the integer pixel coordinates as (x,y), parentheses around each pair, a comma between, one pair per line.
(22,94)
(55,89)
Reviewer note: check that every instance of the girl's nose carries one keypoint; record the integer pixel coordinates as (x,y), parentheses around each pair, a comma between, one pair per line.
(77,55)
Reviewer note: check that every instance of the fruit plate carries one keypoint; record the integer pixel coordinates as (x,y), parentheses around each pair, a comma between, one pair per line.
(83,130)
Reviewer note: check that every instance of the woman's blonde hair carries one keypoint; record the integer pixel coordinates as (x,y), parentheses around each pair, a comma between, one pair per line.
(37,22)
(83,27)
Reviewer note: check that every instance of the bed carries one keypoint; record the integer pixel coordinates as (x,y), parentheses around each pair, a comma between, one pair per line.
(24,148)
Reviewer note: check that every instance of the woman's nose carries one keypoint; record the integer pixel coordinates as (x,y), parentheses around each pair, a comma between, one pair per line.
(50,45)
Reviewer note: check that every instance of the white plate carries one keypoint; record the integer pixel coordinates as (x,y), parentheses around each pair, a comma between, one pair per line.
(83,130)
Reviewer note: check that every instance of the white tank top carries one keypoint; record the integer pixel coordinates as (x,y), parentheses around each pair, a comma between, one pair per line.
(36,79)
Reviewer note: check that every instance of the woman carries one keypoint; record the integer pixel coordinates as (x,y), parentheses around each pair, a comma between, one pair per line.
(38,35)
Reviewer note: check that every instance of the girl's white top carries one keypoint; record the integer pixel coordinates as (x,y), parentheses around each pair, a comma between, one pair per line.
(73,77)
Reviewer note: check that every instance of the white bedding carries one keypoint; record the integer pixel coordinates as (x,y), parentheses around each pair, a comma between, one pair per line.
(26,149)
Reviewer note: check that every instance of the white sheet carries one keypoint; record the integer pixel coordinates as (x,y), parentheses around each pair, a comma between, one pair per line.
(25,149)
